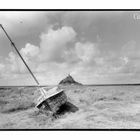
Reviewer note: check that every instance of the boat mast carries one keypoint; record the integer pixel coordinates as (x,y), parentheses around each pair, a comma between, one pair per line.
(13,44)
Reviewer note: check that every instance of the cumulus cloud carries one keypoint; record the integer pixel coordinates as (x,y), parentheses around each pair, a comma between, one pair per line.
(29,50)
(2,66)
(54,48)
(86,51)
(55,42)
(130,50)
(60,52)
(14,63)
(130,54)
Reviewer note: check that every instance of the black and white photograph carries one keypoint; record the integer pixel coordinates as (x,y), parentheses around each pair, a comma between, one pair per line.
(69,69)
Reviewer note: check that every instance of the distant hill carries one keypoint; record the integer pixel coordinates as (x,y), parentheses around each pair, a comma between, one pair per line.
(69,81)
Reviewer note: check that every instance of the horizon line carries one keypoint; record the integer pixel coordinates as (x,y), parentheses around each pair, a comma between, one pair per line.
(72,84)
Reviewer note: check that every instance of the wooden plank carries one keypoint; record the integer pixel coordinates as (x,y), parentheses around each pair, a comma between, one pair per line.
(53,100)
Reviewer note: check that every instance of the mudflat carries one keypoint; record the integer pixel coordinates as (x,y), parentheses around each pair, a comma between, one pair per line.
(99,107)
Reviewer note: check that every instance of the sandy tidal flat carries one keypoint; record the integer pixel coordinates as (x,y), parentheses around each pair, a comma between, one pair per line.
(100,107)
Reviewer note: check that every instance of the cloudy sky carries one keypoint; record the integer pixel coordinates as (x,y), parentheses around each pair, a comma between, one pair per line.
(95,47)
